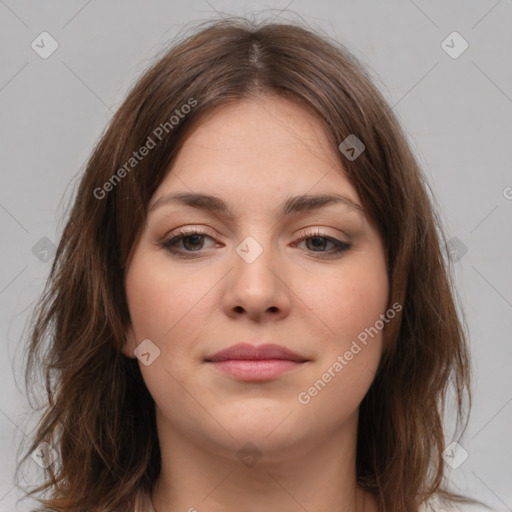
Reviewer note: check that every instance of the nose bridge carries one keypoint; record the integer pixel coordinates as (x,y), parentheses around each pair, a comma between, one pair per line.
(255,286)
(254,258)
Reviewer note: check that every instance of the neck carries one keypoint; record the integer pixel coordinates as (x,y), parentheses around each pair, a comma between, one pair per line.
(317,475)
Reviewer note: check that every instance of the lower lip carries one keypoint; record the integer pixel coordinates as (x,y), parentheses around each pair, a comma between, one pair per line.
(259,369)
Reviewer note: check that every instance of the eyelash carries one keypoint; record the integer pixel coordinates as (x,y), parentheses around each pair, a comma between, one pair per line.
(170,243)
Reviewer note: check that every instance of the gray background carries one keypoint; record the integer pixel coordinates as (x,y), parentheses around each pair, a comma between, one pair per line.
(456,111)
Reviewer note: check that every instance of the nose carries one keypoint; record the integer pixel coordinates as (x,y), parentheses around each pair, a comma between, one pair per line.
(258,284)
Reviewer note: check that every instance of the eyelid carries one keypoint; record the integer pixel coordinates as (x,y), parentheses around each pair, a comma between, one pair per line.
(321,231)
(184,232)
(304,232)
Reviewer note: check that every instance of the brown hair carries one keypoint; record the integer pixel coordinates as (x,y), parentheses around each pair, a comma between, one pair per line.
(98,412)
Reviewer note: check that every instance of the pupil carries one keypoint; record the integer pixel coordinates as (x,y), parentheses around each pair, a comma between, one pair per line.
(195,237)
(318,239)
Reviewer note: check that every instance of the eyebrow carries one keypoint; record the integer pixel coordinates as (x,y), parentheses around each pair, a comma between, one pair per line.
(297,204)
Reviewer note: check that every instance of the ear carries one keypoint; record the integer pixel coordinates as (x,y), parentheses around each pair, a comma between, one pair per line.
(130,343)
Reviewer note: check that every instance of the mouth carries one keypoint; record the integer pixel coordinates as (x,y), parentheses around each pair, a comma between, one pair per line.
(255,363)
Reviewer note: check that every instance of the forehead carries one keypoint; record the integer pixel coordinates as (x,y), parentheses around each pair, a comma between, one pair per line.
(258,148)
(245,127)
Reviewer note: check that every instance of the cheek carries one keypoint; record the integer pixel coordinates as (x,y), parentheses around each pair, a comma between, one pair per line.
(157,298)
(161,306)
(165,305)
(345,302)
(349,306)
(146,300)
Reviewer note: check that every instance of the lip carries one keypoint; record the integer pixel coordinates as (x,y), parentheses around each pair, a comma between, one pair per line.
(262,362)
(246,351)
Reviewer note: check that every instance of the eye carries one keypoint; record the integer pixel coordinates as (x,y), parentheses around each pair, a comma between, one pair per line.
(319,240)
(192,242)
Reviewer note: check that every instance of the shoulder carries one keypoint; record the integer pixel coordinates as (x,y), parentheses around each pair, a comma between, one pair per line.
(439,506)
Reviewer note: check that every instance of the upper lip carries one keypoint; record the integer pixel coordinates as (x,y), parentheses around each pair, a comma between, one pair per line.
(247,351)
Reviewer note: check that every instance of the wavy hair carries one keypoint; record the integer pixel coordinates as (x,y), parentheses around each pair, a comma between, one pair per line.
(97,412)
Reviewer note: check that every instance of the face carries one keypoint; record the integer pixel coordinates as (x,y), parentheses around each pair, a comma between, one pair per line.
(310,279)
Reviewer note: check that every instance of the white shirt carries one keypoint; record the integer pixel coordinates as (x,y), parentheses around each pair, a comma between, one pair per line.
(143,504)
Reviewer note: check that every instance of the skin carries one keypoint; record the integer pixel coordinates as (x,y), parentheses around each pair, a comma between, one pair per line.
(254,154)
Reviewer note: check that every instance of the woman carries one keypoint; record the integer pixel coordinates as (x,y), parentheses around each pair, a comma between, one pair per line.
(205,350)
